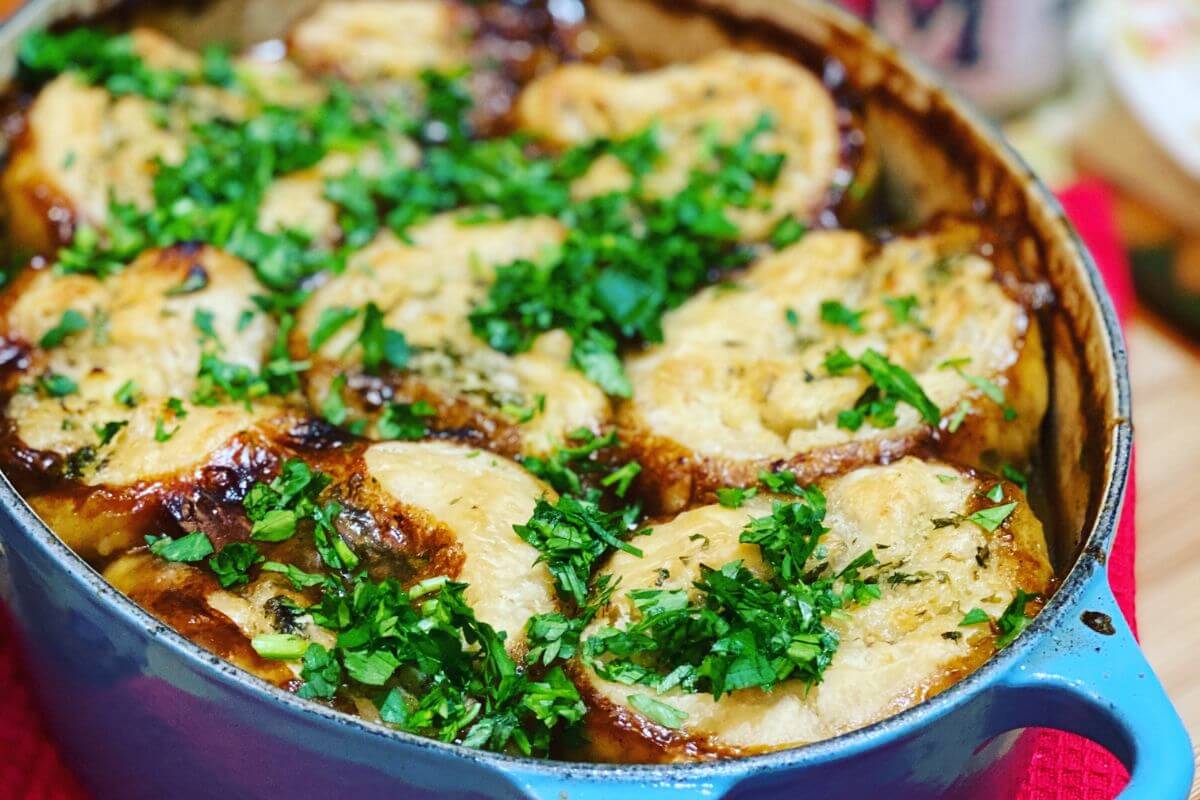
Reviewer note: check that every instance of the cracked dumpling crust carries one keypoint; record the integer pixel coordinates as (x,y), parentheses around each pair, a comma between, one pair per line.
(739,382)
(425,289)
(723,95)
(892,652)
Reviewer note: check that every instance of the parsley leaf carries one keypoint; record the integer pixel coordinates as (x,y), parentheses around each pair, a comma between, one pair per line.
(571,535)
(298,577)
(733,496)
(406,420)
(976,616)
(56,384)
(1014,619)
(330,322)
(127,394)
(232,564)
(657,711)
(833,312)
(892,384)
(108,430)
(193,546)
(72,322)
(992,518)
(381,345)
(279,645)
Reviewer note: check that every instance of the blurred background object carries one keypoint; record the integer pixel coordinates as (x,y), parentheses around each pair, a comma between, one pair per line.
(1102,97)
(1107,88)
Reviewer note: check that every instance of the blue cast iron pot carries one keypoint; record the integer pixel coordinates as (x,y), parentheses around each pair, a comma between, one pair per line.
(142,713)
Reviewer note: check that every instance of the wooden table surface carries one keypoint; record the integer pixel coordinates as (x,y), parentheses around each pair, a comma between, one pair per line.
(1165,371)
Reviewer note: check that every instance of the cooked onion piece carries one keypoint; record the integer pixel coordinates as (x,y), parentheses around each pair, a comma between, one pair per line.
(474,499)
(935,566)
(718,98)
(374,40)
(222,621)
(741,380)
(425,290)
(109,401)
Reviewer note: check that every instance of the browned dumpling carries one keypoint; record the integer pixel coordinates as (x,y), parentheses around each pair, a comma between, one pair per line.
(472,499)
(894,652)
(425,289)
(83,146)
(381,39)
(741,380)
(411,511)
(111,405)
(719,98)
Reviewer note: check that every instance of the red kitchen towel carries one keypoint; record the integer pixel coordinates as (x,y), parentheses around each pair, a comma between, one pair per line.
(1064,767)
(1067,767)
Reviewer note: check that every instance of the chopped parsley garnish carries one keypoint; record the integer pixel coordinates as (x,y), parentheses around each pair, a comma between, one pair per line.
(72,322)
(232,565)
(443,672)
(224,380)
(955,420)
(175,406)
(279,645)
(1014,620)
(572,535)
(108,430)
(833,312)
(202,320)
(522,414)
(99,58)
(565,466)
(56,384)
(278,509)
(657,711)
(1015,475)
(193,546)
(733,497)
(739,630)
(976,616)
(989,389)
(406,420)
(892,384)
(902,308)
(788,230)
(627,259)
(298,577)
(620,479)
(330,322)
(127,394)
(333,407)
(992,518)
(161,432)
(380,344)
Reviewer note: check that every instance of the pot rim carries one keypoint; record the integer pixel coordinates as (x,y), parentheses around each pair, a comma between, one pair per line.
(1092,551)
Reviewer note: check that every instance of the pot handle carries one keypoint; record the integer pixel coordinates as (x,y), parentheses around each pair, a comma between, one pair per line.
(1091,678)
